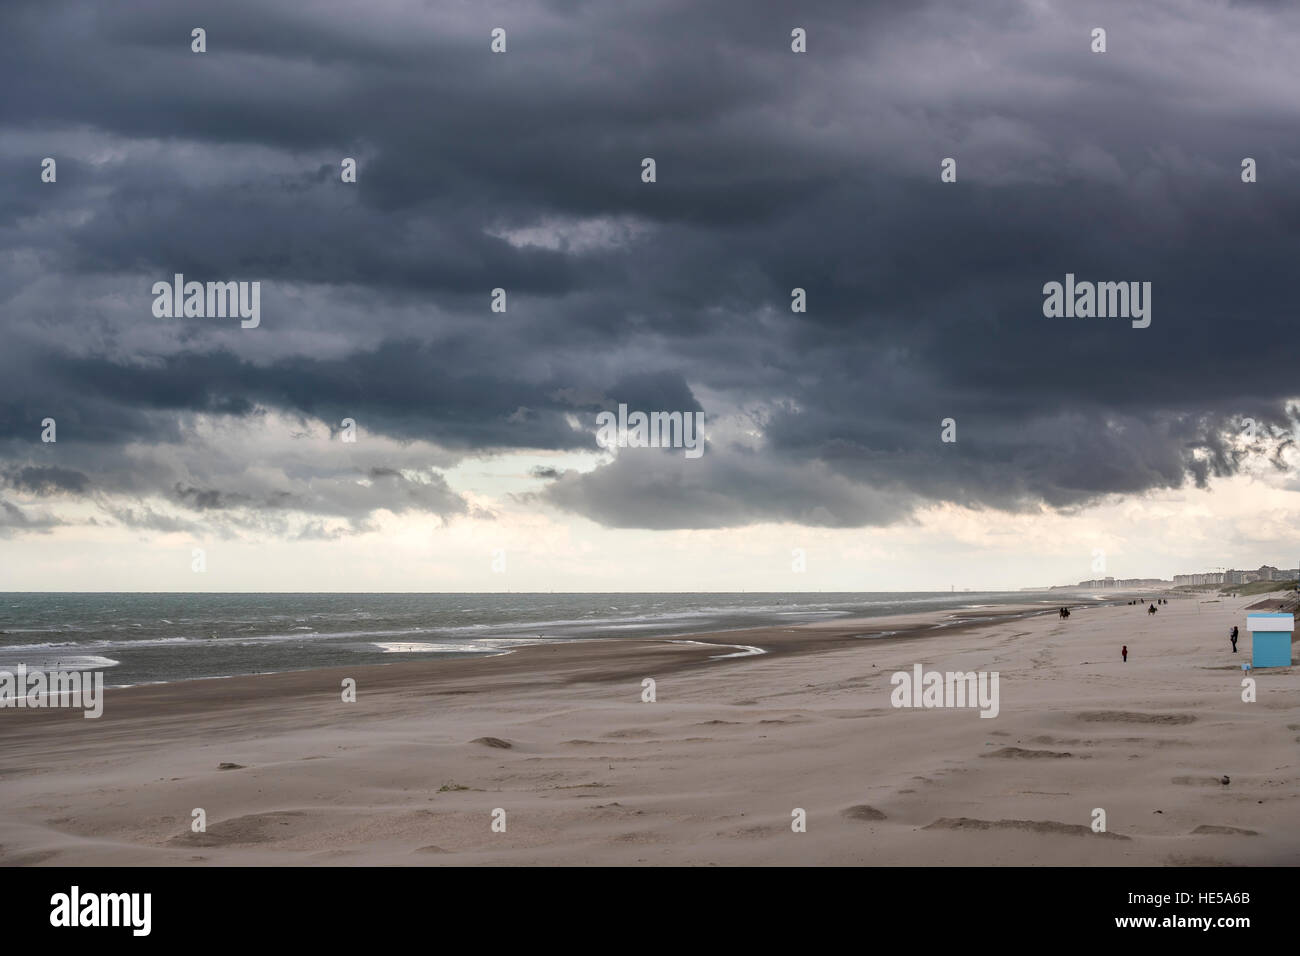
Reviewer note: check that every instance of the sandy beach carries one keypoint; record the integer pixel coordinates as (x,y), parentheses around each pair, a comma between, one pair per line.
(559,738)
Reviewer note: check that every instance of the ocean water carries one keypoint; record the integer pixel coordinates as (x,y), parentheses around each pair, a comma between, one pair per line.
(141,638)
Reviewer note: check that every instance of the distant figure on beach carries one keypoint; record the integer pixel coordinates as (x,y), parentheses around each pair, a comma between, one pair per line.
(1151,609)
(1234,639)
(1124,653)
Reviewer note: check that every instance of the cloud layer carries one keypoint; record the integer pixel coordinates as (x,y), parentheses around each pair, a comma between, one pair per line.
(521,171)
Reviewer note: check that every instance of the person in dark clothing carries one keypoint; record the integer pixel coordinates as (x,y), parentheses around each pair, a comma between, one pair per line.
(1234,639)
(1151,609)
(1124,652)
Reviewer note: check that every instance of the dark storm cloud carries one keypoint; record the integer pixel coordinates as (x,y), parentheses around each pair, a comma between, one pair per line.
(15,519)
(48,480)
(775,170)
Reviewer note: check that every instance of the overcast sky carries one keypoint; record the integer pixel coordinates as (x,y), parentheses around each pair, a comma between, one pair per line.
(522,170)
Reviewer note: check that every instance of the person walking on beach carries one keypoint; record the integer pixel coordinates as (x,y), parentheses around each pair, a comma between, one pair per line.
(1234,639)
(1124,653)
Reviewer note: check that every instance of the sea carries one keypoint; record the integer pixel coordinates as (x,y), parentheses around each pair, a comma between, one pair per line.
(140,638)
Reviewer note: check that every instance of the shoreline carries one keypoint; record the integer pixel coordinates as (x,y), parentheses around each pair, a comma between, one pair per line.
(784,639)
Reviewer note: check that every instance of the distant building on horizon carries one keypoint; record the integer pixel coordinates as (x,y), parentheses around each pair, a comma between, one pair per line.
(1212,577)
(1123,583)
(1265,572)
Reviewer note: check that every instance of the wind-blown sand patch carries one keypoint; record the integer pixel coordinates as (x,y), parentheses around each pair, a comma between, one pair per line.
(1020,753)
(1134,717)
(249,829)
(863,812)
(1053,827)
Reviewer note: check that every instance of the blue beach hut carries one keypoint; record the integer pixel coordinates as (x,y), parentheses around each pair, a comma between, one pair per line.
(1270,639)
